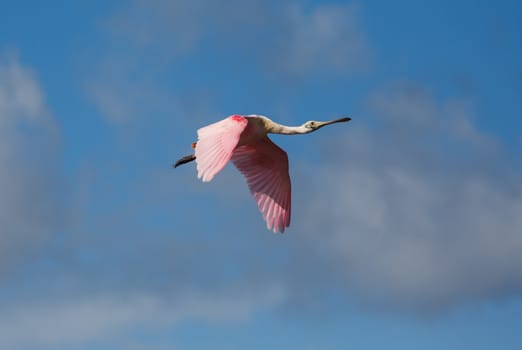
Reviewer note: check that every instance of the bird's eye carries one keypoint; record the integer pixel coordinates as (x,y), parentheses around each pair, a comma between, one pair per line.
(311,124)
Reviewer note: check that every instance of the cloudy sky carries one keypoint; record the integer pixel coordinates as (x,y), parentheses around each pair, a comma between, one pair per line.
(406,225)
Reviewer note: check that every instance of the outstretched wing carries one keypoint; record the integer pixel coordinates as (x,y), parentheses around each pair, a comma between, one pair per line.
(265,167)
(215,145)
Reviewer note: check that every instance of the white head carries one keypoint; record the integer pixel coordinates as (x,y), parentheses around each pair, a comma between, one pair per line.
(314,125)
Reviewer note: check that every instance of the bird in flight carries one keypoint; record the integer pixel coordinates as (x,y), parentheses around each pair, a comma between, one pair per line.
(244,140)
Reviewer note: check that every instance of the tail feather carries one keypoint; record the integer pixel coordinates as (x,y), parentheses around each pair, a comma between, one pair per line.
(184,160)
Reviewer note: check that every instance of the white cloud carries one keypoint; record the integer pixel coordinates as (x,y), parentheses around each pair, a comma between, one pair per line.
(20,96)
(149,40)
(178,28)
(29,202)
(413,110)
(170,27)
(123,94)
(419,215)
(323,38)
(91,319)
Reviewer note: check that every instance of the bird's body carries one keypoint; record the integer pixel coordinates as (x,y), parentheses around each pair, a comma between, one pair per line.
(244,140)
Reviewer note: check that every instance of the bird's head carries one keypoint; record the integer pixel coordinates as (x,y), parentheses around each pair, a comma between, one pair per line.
(314,125)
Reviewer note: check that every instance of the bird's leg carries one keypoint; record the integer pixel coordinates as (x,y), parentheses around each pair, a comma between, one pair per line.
(186,159)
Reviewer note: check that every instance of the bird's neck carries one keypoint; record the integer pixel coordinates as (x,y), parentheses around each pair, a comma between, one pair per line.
(270,127)
(288,130)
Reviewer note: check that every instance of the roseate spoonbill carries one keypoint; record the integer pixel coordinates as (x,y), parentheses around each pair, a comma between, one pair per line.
(244,140)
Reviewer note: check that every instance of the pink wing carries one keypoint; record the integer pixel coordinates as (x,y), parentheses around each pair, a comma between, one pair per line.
(215,145)
(265,167)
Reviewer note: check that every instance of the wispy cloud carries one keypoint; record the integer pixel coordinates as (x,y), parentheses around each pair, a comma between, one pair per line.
(413,110)
(67,323)
(419,216)
(326,38)
(29,176)
(151,40)
(296,39)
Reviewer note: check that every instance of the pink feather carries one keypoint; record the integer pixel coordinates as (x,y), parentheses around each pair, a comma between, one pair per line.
(216,143)
(265,167)
(262,162)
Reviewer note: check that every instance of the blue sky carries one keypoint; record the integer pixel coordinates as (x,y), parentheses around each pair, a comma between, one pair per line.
(406,223)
